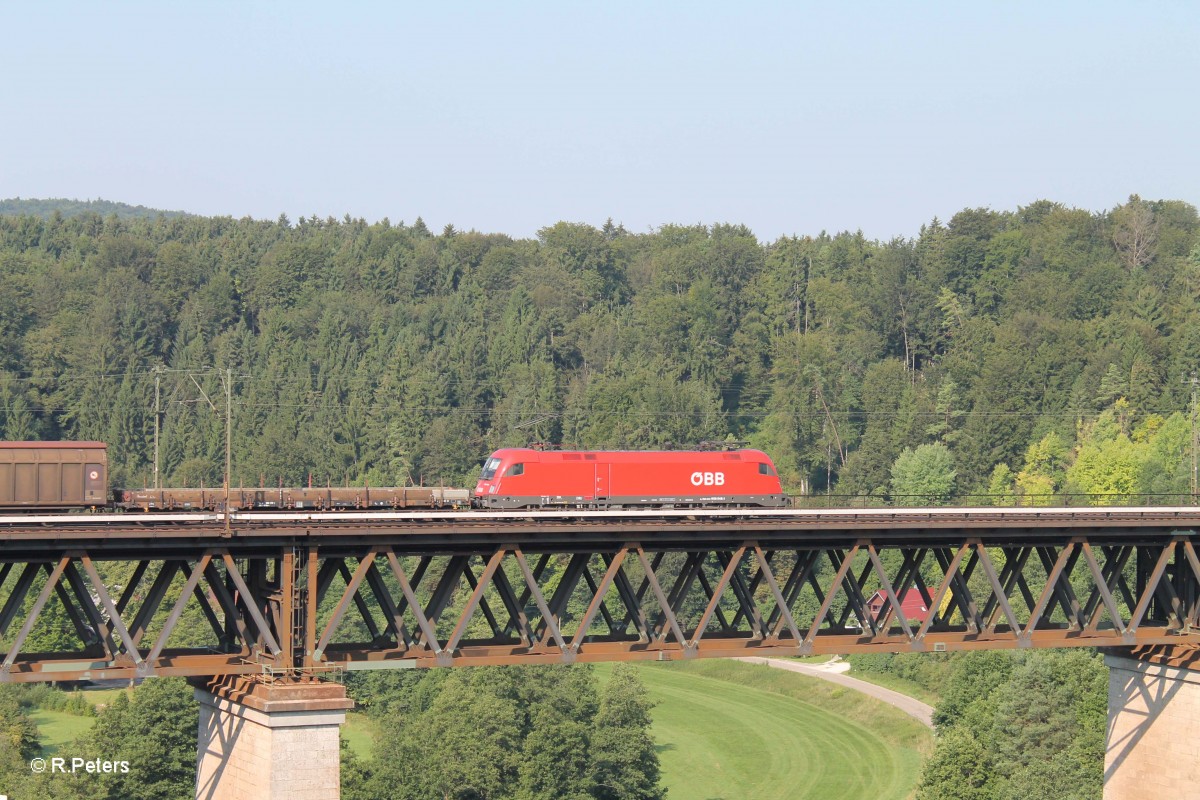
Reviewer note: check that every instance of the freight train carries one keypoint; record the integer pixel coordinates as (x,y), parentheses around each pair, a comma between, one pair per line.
(74,475)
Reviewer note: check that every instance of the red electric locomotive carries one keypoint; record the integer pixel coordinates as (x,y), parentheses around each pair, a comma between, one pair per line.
(524,478)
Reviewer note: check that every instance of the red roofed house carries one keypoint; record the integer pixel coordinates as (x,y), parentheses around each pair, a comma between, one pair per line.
(912,603)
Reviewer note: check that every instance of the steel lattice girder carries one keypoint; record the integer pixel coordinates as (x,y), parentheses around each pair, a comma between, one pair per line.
(317,605)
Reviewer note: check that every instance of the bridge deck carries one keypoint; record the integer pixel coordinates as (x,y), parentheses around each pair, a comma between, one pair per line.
(826,517)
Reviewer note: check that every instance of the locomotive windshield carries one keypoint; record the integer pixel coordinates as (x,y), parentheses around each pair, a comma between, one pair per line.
(489,469)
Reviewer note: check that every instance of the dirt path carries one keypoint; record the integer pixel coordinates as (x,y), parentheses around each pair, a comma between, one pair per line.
(832,672)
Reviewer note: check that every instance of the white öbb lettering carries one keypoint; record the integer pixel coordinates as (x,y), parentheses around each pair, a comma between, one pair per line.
(708,479)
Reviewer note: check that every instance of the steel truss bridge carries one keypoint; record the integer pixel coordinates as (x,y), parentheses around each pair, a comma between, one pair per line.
(294,594)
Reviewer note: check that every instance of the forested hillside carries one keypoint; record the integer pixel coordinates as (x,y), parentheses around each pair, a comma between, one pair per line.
(48,208)
(1021,354)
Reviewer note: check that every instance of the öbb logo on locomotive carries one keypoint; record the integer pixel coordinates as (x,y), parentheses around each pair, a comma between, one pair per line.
(74,475)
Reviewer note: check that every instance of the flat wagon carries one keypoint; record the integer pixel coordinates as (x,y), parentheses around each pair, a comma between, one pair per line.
(287,498)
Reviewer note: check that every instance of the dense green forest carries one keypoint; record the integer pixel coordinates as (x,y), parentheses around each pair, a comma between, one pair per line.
(153,728)
(1012,725)
(49,207)
(1019,354)
(505,733)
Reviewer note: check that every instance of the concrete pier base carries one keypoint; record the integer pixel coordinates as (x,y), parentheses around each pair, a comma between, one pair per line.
(1153,743)
(269,741)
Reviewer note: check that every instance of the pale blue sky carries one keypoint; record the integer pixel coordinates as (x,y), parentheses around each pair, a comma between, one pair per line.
(789,118)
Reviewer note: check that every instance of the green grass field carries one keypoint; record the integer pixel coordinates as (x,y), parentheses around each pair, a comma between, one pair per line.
(728,730)
(359,733)
(102,697)
(57,728)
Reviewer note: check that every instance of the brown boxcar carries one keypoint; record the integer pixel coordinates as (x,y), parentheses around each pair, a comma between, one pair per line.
(53,474)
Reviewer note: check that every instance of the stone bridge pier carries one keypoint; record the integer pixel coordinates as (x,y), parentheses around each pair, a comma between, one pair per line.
(269,740)
(1153,744)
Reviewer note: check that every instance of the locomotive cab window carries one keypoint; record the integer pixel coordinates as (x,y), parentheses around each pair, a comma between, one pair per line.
(515,469)
(765,469)
(489,469)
